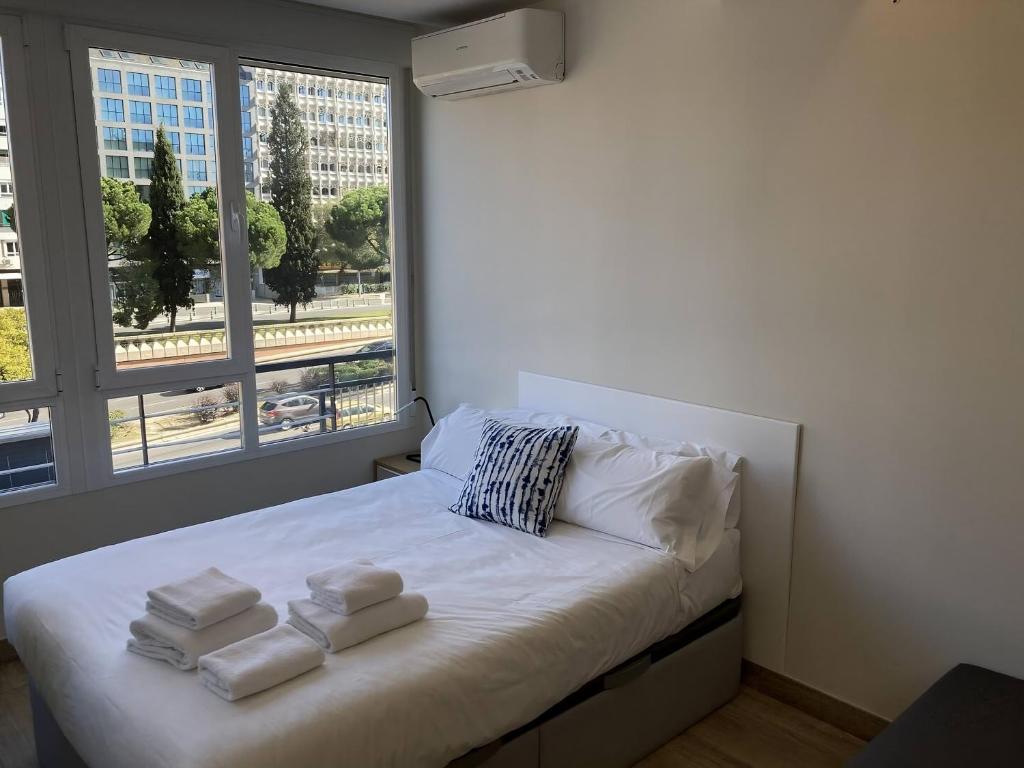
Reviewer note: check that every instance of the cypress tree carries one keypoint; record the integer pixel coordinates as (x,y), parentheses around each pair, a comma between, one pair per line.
(172,269)
(294,279)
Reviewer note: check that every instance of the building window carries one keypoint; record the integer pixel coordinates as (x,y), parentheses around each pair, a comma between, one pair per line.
(247,171)
(112,110)
(246,122)
(138,84)
(115,138)
(259,85)
(247,147)
(197,170)
(195,144)
(6,188)
(117,166)
(109,80)
(143,167)
(301,90)
(193,117)
(245,95)
(141,111)
(270,85)
(167,114)
(263,137)
(142,140)
(166,87)
(175,138)
(191,90)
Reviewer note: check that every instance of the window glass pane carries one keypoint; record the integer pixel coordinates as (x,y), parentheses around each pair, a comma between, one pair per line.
(170,426)
(324,330)
(15,346)
(166,286)
(26,450)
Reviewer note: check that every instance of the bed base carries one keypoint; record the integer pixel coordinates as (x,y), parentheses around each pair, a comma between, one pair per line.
(611,722)
(627,713)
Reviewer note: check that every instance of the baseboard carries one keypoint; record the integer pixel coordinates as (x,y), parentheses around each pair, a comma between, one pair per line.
(828,709)
(7,652)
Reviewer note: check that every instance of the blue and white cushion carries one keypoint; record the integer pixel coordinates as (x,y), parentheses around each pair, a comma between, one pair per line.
(517,475)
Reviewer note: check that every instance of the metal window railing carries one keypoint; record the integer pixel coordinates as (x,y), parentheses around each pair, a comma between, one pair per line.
(344,402)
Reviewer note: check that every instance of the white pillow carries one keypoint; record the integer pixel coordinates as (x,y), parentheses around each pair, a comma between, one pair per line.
(451,445)
(665,501)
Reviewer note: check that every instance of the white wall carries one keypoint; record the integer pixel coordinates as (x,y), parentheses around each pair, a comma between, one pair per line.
(35,533)
(801,209)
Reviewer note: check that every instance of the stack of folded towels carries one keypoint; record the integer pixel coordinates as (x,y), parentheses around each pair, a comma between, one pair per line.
(218,624)
(354,602)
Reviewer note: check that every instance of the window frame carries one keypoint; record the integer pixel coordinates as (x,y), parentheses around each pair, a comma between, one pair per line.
(234,256)
(240,363)
(45,387)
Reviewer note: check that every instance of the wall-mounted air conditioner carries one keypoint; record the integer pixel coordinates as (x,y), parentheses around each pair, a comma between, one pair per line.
(518,49)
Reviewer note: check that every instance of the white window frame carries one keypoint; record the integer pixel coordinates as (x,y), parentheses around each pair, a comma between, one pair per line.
(43,390)
(231,191)
(240,364)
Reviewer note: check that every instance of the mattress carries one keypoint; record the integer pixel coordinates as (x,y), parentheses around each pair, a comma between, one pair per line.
(516,623)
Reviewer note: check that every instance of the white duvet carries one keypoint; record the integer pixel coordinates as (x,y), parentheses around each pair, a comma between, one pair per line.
(516,623)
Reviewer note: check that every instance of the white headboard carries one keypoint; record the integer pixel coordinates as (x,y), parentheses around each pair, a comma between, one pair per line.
(770,450)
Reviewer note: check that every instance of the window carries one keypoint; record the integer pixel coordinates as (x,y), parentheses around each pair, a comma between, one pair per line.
(193,117)
(142,141)
(191,90)
(301,90)
(112,110)
(195,144)
(109,80)
(142,336)
(166,87)
(197,170)
(141,111)
(167,114)
(143,167)
(138,84)
(256,396)
(115,138)
(6,189)
(117,166)
(365,390)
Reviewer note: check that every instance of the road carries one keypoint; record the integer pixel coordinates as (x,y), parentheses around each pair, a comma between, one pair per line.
(229,438)
(177,399)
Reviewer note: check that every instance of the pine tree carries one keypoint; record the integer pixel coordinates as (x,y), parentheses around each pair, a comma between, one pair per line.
(172,269)
(294,279)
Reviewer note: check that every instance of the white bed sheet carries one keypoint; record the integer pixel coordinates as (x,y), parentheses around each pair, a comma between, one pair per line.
(516,623)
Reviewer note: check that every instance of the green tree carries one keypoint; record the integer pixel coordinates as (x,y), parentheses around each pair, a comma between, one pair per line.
(360,226)
(172,269)
(199,231)
(294,279)
(15,360)
(126,218)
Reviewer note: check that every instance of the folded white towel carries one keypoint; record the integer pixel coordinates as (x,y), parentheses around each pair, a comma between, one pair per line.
(160,639)
(350,587)
(201,600)
(335,632)
(259,662)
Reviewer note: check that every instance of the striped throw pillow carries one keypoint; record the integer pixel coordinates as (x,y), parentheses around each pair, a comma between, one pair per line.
(517,475)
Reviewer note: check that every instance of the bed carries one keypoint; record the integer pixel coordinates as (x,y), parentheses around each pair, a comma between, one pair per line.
(529,643)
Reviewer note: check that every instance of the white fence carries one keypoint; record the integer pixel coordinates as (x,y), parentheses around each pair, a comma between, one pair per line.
(153,346)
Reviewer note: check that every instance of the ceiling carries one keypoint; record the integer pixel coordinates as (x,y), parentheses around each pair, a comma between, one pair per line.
(434,12)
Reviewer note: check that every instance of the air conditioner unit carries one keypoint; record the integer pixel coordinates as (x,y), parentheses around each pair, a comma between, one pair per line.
(518,49)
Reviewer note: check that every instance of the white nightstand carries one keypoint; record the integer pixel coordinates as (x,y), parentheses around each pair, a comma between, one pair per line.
(393,466)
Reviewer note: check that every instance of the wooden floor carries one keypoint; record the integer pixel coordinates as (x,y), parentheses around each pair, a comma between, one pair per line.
(751,731)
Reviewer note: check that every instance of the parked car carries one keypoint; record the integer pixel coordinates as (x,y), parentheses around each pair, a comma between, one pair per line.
(286,410)
(361,415)
(384,345)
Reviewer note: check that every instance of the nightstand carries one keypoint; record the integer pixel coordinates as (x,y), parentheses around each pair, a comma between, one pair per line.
(393,466)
